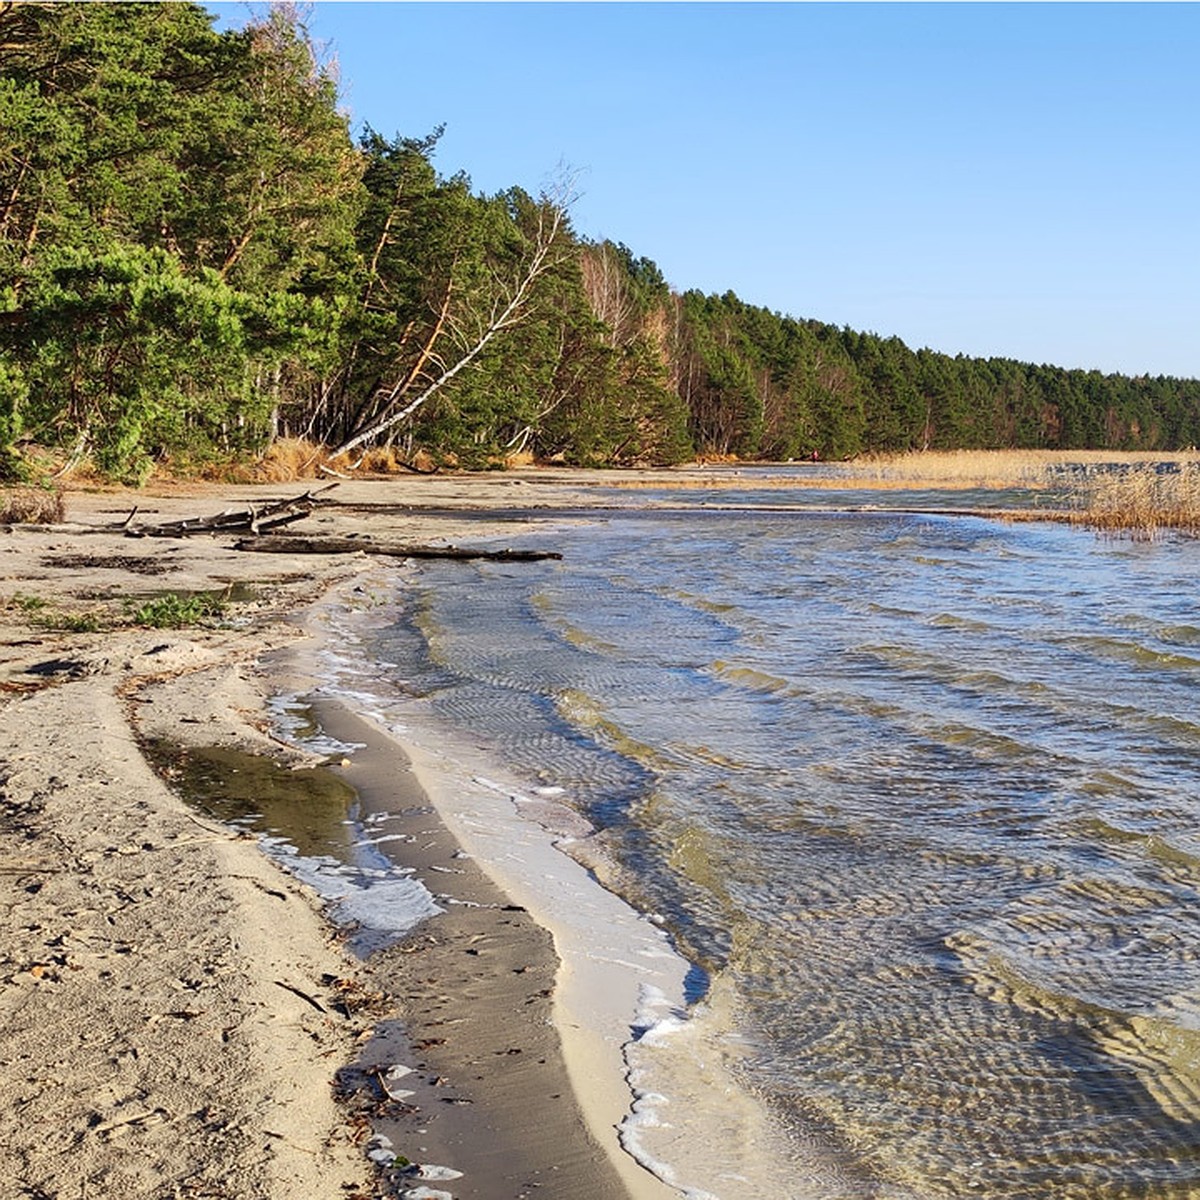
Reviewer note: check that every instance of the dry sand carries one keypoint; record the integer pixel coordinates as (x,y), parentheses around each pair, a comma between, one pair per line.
(177,1018)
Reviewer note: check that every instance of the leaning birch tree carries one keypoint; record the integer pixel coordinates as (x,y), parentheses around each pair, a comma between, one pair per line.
(489,282)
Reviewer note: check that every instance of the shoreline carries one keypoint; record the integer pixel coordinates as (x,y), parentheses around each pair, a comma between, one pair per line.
(219,1019)
(476,847)
(271,957)
(477,986)
(621,998)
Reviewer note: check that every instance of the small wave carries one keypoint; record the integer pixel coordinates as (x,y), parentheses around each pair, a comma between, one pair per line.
(586,713)
(714,607)
(1157,847)
(731,1142)
(749,678)
(1123,650)
(587,642)
(1182,635)
(1106,783)
(706,756)
(1177,633)
(884,610)
(985,743)
(1171,728)
(946,620)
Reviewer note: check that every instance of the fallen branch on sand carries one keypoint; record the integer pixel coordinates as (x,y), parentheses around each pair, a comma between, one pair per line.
(352,545)
(273,514)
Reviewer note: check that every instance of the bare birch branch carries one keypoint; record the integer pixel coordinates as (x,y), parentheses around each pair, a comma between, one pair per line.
(504,313)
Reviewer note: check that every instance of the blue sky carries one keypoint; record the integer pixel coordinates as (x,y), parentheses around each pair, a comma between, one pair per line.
(1010,179)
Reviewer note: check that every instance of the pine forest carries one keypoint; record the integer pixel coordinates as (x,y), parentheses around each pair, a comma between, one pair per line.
(198,259)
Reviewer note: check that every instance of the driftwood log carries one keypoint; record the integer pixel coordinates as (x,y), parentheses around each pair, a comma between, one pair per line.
(256,519)
(351,545)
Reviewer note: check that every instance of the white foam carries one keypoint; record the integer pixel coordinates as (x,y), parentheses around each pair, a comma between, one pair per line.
(291,726)
(382,904)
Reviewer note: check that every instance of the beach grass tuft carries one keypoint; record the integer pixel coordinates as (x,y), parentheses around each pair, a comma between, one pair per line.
(31,506)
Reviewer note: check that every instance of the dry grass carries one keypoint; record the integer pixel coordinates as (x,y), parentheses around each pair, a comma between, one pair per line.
(31,506)
(1137,494)
(289,459)
(1142,503)
(997,468)
(951,470)
(954,469)
(380,460)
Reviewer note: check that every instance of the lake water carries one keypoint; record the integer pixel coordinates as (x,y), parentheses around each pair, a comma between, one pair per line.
(917,795)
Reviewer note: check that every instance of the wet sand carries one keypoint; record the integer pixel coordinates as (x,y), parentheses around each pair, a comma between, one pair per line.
(490,1094)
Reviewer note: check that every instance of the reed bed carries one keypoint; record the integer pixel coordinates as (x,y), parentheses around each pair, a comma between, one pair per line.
(1007,468)
(959,469)
(949,470)
(1143,502)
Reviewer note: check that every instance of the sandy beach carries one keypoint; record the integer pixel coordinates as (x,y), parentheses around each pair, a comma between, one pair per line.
(178,1017)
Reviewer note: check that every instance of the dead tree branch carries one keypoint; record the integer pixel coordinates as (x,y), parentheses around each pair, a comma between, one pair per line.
(260,519)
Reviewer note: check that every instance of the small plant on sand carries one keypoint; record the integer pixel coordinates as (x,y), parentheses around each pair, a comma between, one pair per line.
(27,604)
(85,622)
(173,611)
(41,614)
(31,506)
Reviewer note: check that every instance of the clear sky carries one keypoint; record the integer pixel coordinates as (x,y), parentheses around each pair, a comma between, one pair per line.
(1009,179)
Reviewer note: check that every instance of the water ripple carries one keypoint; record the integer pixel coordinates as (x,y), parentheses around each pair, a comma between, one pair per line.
(920,792)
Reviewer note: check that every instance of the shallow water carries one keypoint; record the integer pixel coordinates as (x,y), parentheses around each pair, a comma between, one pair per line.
(310,821)
(917,793)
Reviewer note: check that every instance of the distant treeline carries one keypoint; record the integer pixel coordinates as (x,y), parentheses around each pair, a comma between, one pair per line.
(197,258)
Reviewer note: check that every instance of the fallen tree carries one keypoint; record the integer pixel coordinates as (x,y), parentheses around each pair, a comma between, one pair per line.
(353,545)
(259,520)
